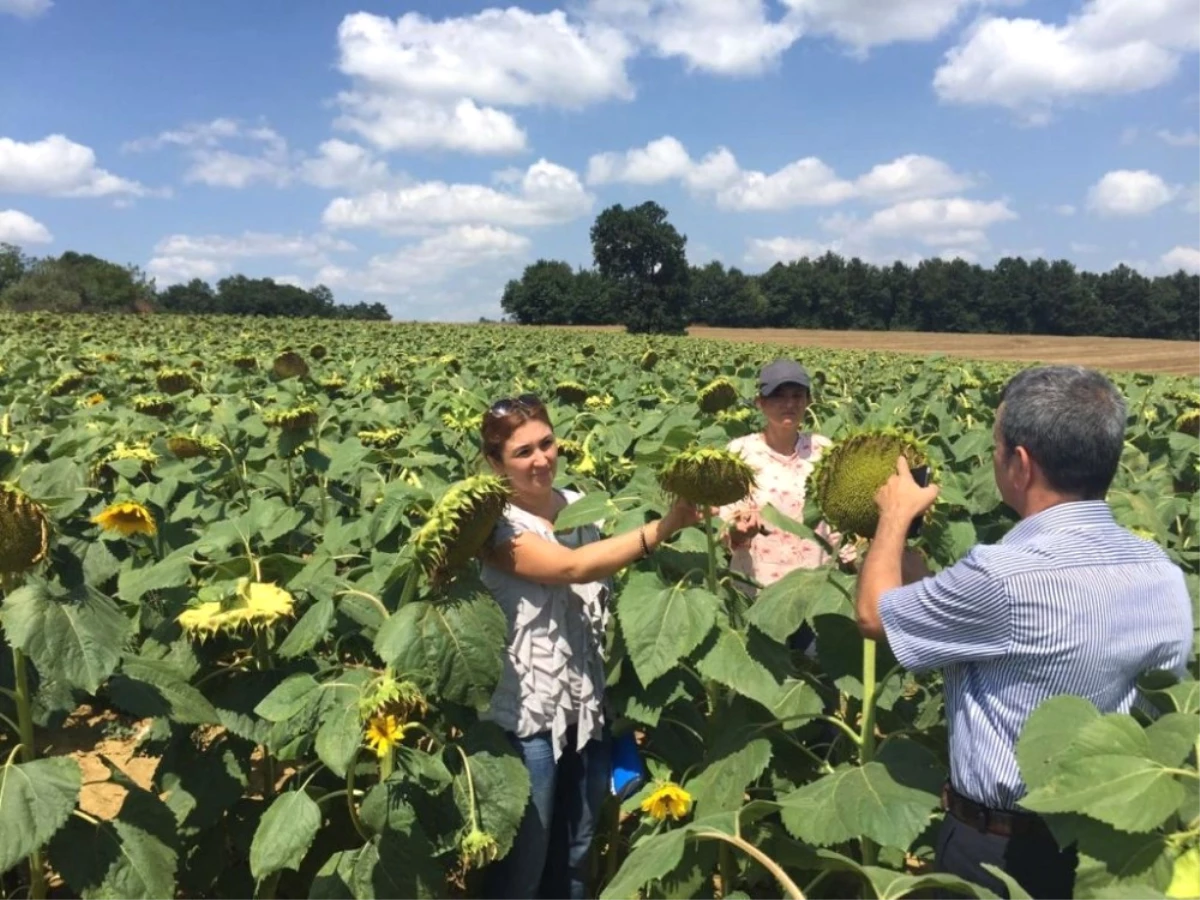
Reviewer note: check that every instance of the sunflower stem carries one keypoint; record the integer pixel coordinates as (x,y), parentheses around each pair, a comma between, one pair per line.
(470,787)
(728,841)
(410,585)
(711,539)
(866,742)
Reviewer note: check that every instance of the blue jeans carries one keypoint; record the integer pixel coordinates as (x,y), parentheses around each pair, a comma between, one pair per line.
(549,855)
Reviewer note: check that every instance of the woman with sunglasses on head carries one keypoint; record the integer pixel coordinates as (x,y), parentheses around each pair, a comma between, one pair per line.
(553,587)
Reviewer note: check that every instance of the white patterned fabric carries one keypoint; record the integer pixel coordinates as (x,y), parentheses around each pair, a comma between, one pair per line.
(553,673)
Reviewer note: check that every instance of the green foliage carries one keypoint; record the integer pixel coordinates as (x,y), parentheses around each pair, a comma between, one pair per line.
(264,781)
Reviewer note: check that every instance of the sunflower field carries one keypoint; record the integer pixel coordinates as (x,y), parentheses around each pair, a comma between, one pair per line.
(254,540)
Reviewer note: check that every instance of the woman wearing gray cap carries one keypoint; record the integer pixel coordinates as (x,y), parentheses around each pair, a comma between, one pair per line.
(783,456)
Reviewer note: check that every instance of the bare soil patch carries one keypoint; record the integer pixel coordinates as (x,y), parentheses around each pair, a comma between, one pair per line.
(1122,354)
(1128,354)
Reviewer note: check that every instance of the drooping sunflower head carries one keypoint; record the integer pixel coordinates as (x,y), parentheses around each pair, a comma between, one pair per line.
(462,421)
(587,350)
(718,394)
(289,364)
(138,450)
(707,476)
(24,531)
(65,384)
(175,381)
(669,800)
(571,450)
(648,361)
(571,392)
(252,605)
(332,383)
(1188,422)
(389,380)
(157,405)
(598,401)
(477,848)
(245,363)
(850,473)
(381,438)
(296,418)
(459,524)
(318,351)
(450,363)
(126,517)
(388,695)
(185,446)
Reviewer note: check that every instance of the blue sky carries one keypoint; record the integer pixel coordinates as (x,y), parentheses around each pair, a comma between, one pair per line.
(422,154)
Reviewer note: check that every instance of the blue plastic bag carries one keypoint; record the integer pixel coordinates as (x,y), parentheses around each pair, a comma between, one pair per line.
(628,771)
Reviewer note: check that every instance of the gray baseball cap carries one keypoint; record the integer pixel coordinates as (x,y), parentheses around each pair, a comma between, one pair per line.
(782,371)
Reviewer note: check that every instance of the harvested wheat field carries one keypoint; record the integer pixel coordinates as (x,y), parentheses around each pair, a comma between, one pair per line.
(1130,354)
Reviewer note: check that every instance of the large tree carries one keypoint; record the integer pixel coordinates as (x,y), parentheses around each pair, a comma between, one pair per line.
(641,256)
(79,282)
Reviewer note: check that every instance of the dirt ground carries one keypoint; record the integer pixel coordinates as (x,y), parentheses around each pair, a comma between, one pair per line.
(1132,354)
(1128,354)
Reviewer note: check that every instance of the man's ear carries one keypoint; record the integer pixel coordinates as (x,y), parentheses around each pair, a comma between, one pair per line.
(1027,469)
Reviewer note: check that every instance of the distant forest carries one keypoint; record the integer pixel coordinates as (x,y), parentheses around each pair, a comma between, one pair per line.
(78,282)
(641,279)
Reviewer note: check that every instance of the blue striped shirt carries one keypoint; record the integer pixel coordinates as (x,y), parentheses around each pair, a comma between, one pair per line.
(1068,602)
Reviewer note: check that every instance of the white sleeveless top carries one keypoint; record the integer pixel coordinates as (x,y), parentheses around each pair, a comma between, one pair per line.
(553,673)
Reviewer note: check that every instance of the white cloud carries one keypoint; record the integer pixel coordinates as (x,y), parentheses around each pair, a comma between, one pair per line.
(20,228)
(946,222)
(421,83)
(168,270)
(411,123)
(61,168)
(24,9)
(1186,258)
(1065,209)
(768,251)
(862,24)
(910,177)
(727,37)
(181,257)
(804,182)
(1129,193)
(1191,201)
(429,261)
(1110,47)
(546,194)
(341,164)
(1182,139)
(337,164)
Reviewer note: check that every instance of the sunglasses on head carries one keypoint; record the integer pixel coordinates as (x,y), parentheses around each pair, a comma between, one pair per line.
(511,404)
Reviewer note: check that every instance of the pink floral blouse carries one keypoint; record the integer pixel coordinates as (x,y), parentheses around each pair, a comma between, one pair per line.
(780,482)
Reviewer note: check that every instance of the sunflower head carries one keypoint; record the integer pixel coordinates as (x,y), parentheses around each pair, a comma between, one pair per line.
(707,476)
(1188,422)
(850,473)
(648,361)
(570,450)
(477,848)
(297,418)
(332,383)
(245,363)
(126,517)
(587,350)
(459,524)
(156,405)
(24,531)
(383,733)
(389,380)
(93,399)
(598,401)
(718,394)
(571,392)
(450,363)
(318,351)
(138,450)
(387,695)
(381,438)
(175,381)
(669,800)
(252,605)
(184,446)
(289,364)
(65,384)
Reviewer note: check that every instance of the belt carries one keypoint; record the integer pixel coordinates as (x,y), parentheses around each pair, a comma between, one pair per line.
(1005,823)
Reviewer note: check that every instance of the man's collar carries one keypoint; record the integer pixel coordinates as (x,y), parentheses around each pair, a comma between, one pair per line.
(1060,517)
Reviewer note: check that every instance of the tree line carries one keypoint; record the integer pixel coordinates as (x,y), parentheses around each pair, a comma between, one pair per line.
(641,279)
(80,282)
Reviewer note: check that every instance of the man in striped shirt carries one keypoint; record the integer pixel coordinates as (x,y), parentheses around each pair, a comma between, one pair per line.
(1068,602)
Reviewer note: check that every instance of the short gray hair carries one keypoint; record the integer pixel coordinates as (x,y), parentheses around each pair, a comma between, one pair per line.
(1071,420)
